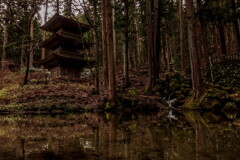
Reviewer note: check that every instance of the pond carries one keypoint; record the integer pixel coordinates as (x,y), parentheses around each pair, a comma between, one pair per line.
(167,135)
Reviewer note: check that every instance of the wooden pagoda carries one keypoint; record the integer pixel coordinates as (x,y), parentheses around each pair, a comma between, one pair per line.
(66,47)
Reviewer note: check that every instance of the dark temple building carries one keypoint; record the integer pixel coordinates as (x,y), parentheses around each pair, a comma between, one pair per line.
(66,47)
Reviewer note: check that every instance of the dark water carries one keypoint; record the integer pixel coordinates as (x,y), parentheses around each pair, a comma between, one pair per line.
(187,136)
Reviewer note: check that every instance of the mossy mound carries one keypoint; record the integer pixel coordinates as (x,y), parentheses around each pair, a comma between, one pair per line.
(224,74)
(222,86)
(191,104)
(175,86)
(49,98)
(213,98)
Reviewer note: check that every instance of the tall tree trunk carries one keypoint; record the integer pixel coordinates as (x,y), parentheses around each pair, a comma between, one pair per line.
(181,35)
(5,41)
(235,29)
(165,52)
(23,49)
(96,46)
(110,48)
(114,35)
(222,38)
(44,33)
(104,44)
(126,46)
(203,38)
(194,57)
(150,43)
(217,40)
(28,63)
(170,51)
(68,8)
(57,7)
(138,45)
(153,38)
(138,52)
(30,50)
(31,42)
(156,37)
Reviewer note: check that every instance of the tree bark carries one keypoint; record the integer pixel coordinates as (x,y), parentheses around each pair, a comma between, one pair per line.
(28,62)
(31,42)
(156,37)
(68,8)
(23,48)
(114,36)
(235,29)
(222,37)
(44,33)
(203,38)
(138,50)
(57,7)
(96,47)
(165,53)
(221,33)
(5,41)
(110,48)
(30,50)
(181,35)
(150,43)
(126,46)
(104,44)
(194,57)
(153,38)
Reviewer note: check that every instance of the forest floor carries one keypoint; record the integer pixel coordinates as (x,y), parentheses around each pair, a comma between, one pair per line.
(173,91)
(49,96)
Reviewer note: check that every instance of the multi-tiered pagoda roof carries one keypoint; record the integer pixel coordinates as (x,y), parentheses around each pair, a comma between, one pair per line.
(66,46)
(58,22)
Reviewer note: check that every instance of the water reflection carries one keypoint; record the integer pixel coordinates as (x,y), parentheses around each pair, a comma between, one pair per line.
(124,137)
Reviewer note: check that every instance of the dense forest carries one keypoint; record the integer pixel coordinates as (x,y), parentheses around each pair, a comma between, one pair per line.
(155,49)
(119,79)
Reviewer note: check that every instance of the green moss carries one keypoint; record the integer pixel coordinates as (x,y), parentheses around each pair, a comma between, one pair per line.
(191,104)
(108,115)
(225,75)
(133,126)
(2,132)
(174,86)
(132,92)
(33,81)
(194,104)
(2,93)
(108,106)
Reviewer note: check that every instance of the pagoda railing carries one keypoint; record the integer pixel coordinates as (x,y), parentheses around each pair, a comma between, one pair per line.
(225,58)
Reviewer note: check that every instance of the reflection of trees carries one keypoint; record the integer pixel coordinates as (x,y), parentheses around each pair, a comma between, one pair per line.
(199,126)
(213,140)
(112,137)
(139,137)
(23,148)
(96,137)
(127,142)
